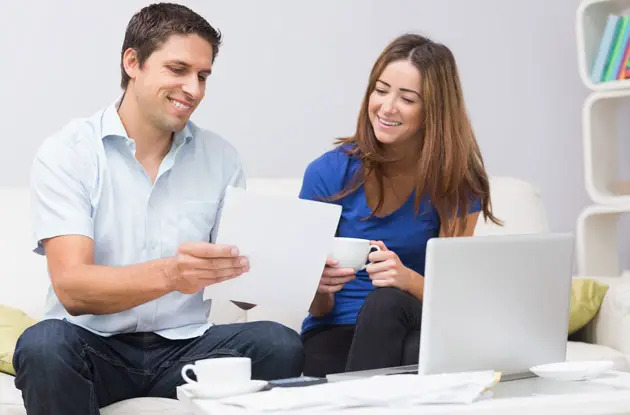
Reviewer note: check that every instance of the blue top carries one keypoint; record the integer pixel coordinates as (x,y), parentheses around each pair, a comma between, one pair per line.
(402,231)
(86,181)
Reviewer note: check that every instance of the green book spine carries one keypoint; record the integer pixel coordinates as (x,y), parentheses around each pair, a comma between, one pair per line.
(617,50)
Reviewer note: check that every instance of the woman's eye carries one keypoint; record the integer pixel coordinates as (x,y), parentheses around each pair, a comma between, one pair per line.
(380,91)
(408,101)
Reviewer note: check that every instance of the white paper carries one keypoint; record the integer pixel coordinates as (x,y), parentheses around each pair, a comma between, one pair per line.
(286,241)
(395,391)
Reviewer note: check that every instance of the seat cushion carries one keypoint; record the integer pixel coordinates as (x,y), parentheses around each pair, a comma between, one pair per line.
(9,395)
(147,406)
(11,403)
(579,351)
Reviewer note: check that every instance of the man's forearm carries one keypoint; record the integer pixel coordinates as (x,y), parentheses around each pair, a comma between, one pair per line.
(322,304)
(96,289)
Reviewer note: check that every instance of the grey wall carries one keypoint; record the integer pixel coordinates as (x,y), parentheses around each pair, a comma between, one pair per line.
(291,74)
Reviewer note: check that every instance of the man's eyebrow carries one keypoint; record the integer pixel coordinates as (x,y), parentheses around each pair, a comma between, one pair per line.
(186,65)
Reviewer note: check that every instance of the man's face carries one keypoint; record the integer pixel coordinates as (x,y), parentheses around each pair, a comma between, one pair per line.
(172,81)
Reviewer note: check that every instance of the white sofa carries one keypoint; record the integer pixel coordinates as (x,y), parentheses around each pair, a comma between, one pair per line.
(516,202)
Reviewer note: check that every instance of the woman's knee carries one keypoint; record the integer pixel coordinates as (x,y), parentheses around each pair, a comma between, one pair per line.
(385,300)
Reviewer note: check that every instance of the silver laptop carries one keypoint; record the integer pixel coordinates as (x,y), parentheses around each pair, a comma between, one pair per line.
(492,303)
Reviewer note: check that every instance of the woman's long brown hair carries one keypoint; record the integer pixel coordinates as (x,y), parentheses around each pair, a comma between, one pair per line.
(450,169)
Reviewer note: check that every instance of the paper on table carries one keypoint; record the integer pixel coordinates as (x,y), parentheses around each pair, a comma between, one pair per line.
(286,241)
(380,391)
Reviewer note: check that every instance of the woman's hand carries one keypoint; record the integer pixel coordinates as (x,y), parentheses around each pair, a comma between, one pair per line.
(387,270)
(333,279)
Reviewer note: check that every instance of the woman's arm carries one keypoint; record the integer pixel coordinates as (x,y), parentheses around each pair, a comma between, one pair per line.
(322,304)
(460,230)
(387,270)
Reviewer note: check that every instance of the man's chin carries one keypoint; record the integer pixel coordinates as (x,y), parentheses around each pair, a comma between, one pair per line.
(176,125)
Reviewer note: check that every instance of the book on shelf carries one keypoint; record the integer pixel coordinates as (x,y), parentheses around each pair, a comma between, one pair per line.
(613,57)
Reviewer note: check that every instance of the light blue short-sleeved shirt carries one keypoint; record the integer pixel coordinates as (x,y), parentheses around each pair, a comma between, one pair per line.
(86,181)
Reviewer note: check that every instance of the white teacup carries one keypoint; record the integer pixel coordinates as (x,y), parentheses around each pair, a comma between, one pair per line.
(220,370)
(351,252)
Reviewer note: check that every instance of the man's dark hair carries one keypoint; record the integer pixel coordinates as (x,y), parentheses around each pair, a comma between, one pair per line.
(153,25)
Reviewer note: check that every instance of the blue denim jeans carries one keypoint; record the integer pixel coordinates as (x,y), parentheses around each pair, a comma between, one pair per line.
(63,369)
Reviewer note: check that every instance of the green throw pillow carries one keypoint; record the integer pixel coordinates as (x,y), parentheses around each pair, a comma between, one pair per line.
(13,322)
(586,298)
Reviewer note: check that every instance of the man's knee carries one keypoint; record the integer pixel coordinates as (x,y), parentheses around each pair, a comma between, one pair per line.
(283,348)
(45,346)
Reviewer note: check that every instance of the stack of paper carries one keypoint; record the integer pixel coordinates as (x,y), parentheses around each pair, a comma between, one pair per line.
(380,391)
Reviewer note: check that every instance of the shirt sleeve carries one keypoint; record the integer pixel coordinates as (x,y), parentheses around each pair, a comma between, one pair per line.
(60,203)
(475,204)
(323,177)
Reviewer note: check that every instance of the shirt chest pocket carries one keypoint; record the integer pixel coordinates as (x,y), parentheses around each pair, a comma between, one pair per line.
(194,220)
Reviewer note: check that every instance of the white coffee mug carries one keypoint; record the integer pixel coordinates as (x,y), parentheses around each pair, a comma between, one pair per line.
(351,252)
(223,370)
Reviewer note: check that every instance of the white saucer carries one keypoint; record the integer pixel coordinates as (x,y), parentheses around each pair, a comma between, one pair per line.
(216,391)
(573,370)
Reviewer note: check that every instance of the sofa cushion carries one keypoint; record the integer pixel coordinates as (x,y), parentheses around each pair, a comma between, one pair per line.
(13,322)
(11,403)
(579,351)
(611,325)
(586,298)
(24,276)
(289,187)
(147,406)
(518,205)
(9,395)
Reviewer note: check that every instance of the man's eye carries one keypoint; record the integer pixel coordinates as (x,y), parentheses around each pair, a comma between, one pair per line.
(176,70)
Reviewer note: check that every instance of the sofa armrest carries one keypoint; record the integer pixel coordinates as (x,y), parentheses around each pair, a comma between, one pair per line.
(611,325)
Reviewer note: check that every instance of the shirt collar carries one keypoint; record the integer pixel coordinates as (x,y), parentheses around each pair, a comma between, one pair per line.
(112,125)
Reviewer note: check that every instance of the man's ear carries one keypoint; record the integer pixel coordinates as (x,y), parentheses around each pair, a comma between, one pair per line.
(131,63)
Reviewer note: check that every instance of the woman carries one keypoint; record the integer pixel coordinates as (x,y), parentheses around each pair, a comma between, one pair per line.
(412,171)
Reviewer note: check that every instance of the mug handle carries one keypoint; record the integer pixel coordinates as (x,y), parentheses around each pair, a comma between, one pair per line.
(185,369)
(373,248)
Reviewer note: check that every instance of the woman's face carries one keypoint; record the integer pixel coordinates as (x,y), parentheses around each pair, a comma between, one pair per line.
(395,107)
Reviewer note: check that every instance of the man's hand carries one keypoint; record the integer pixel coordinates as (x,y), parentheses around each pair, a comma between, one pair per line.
(197,265)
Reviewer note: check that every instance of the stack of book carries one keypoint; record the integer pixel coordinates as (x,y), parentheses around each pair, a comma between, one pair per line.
(611,62)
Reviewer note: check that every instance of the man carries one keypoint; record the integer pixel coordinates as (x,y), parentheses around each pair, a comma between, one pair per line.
(124,208)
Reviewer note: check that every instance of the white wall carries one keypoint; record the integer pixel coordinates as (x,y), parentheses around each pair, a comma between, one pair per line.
(291,74)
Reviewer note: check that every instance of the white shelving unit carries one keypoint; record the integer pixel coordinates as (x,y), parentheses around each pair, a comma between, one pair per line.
(605,122)
(602,130)
(591,20)
(598,240)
